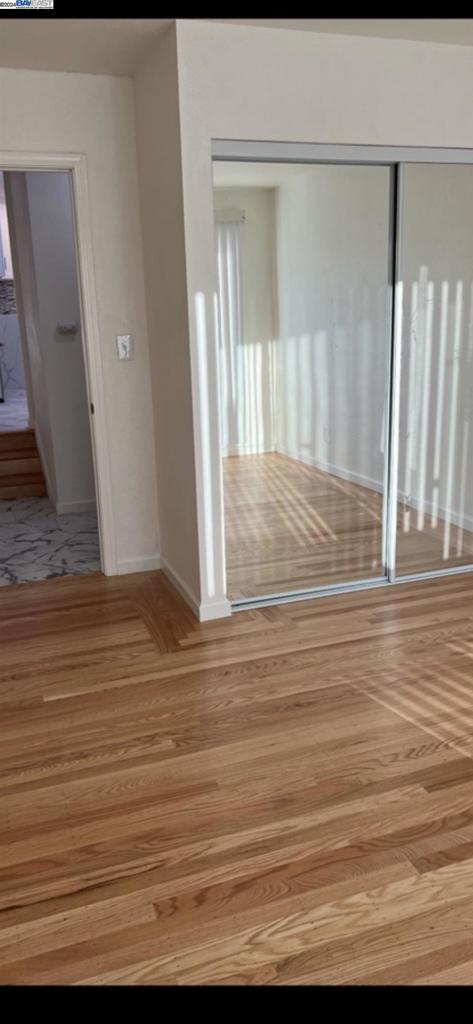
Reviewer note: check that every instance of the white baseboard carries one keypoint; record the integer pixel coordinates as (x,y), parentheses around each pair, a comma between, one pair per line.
(146,563)
(63,508)
(205,611)
(211,610)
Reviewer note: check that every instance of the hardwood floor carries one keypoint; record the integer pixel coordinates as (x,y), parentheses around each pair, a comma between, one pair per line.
(290,527)
(284,797)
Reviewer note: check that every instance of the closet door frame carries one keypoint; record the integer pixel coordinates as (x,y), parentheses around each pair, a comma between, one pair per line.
(393,157)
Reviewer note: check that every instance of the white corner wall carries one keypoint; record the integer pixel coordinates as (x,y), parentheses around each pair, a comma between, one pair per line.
(159,153)
(251,83)
(42,111)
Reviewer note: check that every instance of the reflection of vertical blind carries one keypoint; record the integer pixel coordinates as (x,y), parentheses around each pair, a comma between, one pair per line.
(230,324)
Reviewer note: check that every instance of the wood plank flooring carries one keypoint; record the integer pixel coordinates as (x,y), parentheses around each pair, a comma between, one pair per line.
(290,527)
(284,797)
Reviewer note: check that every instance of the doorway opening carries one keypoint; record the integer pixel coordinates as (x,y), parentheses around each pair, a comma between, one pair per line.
(48,501)
(345,303)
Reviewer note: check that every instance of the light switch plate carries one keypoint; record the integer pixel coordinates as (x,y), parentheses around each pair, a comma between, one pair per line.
(125,346)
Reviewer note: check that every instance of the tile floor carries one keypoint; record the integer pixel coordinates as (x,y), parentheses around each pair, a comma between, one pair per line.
(38,544)
(14,411)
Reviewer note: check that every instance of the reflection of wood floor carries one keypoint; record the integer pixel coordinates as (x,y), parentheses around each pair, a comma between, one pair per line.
(290,526)
(281,797)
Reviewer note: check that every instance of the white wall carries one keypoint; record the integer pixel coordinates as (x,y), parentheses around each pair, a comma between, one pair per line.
(248,405)
(94,115)
(157,123)
(332,230)
(254,83)
(57,293)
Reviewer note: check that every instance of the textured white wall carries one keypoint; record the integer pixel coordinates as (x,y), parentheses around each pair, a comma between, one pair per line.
(93,114)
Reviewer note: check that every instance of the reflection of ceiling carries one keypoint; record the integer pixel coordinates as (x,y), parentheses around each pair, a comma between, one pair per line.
(229,174)
(115,46)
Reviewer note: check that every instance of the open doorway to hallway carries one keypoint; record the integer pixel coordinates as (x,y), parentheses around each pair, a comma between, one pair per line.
(48,507)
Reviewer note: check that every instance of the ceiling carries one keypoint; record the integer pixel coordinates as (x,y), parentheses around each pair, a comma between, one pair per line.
(108,46)
(115,46)
(457,31)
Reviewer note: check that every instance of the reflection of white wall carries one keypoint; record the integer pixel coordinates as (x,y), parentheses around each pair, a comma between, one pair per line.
(436,438)
(332,256)
(247,402)
(317,337)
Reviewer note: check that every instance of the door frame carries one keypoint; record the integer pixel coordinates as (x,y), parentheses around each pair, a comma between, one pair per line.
(75,164)
(393,157)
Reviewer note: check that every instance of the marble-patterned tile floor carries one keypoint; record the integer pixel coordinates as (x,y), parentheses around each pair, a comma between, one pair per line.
(38,544)
(14,411)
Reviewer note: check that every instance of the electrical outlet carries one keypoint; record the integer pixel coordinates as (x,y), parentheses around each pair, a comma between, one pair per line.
(125,346)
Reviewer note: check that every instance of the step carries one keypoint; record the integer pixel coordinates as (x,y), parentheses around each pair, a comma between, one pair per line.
(21,478)
(15,440)
(21,471)
(19,453)
(11,467)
